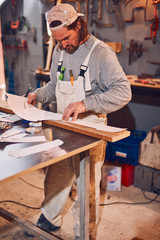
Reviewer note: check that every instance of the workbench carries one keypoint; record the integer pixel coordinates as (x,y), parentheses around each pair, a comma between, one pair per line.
(145,93)
(11,168)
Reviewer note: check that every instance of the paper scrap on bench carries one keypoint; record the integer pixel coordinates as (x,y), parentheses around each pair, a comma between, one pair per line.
(98,126)
(35,149)
(24,139)
(10,132)
(19,106)
(10,118)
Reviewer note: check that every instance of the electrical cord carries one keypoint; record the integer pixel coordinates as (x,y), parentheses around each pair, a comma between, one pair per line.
(21,204)
(18,203)
(136,203)
(144,194)
(31,184)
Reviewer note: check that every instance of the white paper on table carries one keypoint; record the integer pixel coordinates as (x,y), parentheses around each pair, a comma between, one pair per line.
(19,106)
(24,139)
(8,117)
(10,132)
(99,126)
(35,149)
(11,118)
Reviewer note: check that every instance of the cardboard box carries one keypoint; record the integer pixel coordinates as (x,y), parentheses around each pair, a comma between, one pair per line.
(111,177)
(150,149)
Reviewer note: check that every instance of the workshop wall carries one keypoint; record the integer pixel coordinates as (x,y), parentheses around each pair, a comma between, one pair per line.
(108,26)
(132,21)
(22,49)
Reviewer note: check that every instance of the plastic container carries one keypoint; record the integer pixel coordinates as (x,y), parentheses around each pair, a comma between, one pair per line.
(126,150)
(127,174)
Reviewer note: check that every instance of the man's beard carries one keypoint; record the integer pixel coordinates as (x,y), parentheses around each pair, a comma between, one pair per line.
(69,48)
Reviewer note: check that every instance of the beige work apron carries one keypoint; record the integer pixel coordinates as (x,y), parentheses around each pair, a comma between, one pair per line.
(65,92)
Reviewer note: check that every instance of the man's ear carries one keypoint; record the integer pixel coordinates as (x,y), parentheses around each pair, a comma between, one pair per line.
(78,25)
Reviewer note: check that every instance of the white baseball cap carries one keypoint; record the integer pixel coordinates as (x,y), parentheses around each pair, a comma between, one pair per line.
(61,15)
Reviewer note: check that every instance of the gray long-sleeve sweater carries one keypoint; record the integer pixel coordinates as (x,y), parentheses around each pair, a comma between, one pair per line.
(110,87)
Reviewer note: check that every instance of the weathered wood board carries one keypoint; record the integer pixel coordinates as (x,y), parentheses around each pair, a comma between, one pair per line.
(150,149)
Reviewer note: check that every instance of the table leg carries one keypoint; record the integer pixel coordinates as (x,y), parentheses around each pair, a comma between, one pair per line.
(84,196)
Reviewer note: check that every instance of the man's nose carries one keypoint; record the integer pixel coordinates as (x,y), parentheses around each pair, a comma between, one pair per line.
(64,43)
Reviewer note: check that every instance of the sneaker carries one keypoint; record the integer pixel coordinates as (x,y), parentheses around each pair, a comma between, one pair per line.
(43,224)
(77,238)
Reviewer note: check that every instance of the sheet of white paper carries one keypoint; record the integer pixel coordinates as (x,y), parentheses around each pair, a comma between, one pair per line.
(98,126)
(24,139)
(35,149)
(11,118)
(10,133)
(19,106)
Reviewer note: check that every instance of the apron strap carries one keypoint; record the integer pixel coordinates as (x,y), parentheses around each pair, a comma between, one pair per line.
(83,69)
(60,62)
(84,66)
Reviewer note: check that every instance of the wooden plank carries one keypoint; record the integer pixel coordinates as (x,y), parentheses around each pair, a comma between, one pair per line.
(5,107)
(107,136)
(27,226)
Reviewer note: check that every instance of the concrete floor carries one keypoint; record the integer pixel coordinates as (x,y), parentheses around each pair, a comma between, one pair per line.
(117,222)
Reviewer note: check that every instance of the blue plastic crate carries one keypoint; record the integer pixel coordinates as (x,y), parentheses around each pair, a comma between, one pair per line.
(126,150)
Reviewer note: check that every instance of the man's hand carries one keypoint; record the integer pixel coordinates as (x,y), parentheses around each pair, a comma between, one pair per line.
(75,109)
(32,98)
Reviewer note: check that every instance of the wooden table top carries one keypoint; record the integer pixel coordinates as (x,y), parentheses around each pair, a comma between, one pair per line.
(74,143)
(154,83)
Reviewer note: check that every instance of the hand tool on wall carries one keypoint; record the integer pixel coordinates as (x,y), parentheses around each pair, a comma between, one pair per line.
(154,25)
(138,8)
(117,9)
(15,19)
(135,51)
(98,23)
(100,4)
(16,12)
(109,8)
